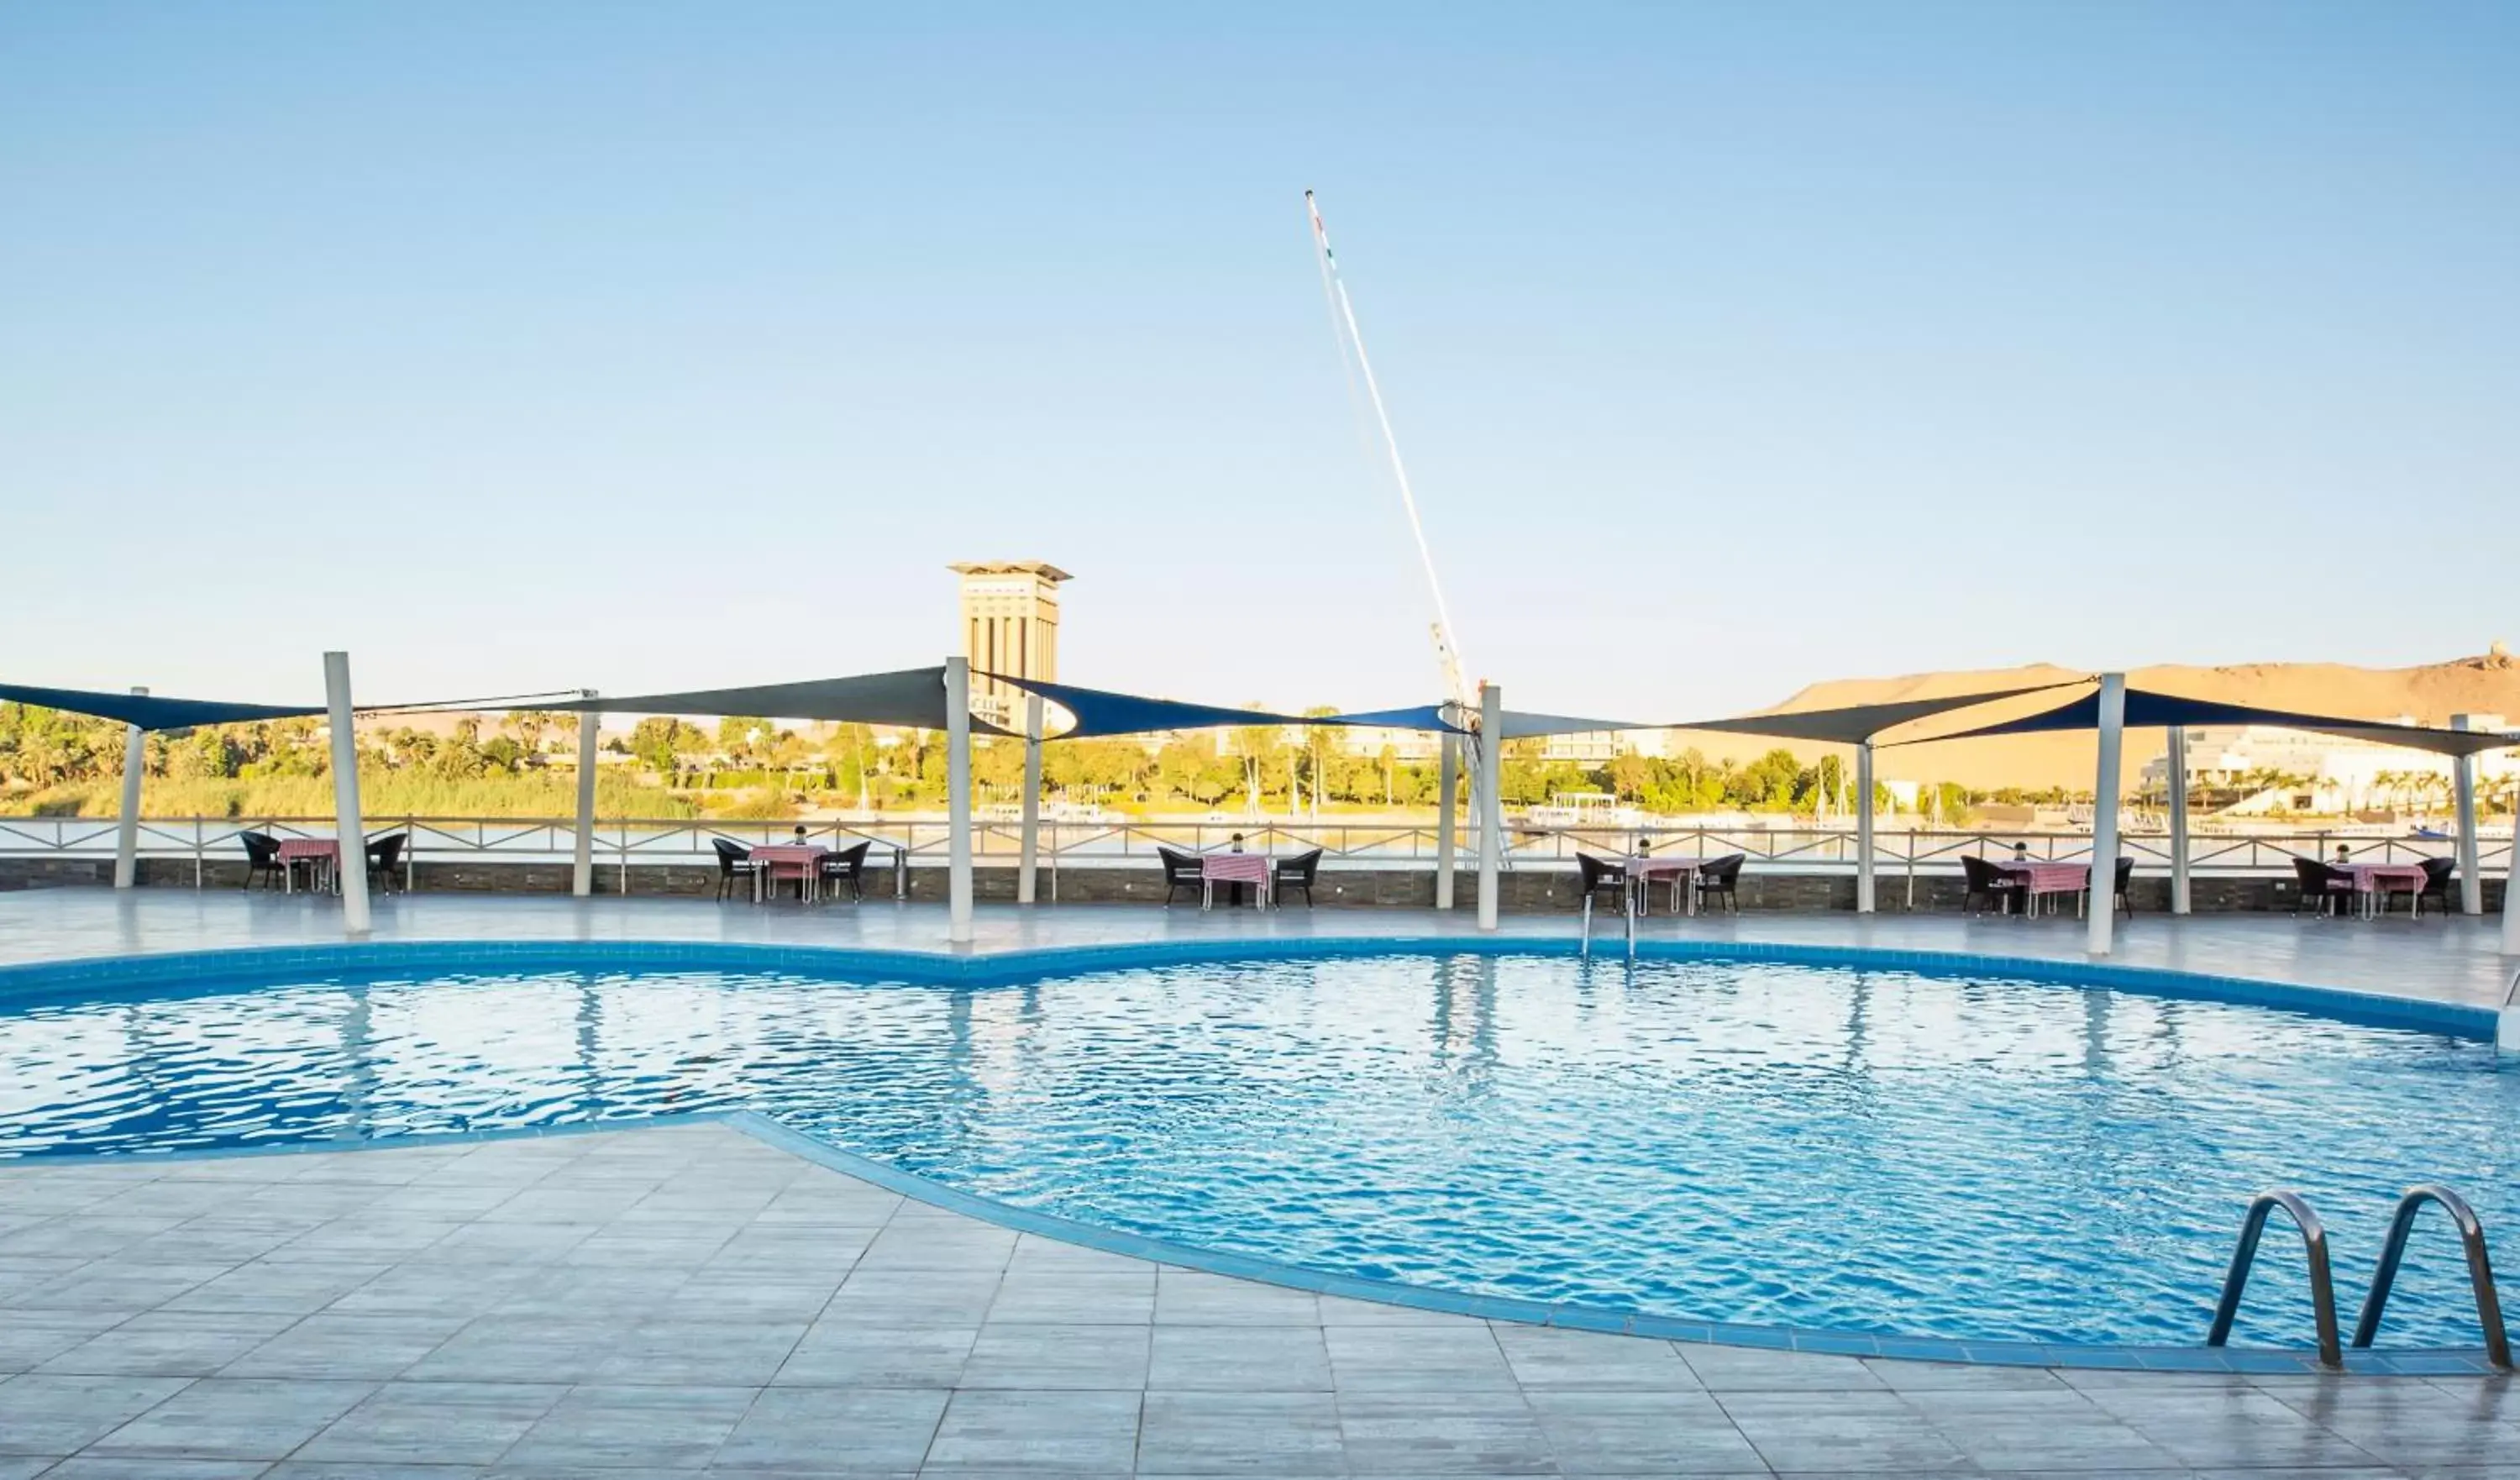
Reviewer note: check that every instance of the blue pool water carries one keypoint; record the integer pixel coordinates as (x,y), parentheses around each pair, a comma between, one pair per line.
(1862,1151)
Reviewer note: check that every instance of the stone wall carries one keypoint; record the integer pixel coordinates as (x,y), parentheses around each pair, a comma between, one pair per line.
(1524,891)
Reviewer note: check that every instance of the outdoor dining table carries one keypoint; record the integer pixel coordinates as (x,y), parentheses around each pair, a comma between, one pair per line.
(325,853)
(2374,882)
(1254,869)
(1642,870)
(802,862)
(2039,875)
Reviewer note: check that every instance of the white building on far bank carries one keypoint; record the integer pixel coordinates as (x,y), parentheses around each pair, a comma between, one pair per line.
(2266,769)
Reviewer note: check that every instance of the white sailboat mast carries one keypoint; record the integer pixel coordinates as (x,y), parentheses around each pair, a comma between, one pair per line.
(1447,650)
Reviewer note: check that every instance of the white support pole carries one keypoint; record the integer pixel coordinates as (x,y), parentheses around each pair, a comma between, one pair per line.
(127,831)
(349,828)
(1864,828)
(2471,887)
(2178,896)
(2511,903)
(1448,786)
(581,868)
(2101,908)
(1491,796)
(1024,887)
(958,801)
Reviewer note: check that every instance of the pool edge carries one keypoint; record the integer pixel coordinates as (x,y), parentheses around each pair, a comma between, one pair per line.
(26,979)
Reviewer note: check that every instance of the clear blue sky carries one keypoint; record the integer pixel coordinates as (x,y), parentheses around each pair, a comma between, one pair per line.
(1732,347)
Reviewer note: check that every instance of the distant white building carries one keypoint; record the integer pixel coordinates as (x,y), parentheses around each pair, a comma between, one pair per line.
(2263,768)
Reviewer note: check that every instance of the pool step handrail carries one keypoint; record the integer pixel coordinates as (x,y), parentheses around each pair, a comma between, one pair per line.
(1628,914)
(2323,1287)
(2480,1270)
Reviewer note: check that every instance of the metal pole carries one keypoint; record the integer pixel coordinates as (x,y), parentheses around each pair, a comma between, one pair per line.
(1448,786)
(351,834)
(581,875)
(2101,909)
(2471,887)
(127,831)
(2178,897)
(2511,909)
(1864,828)
(958,801)
(1024,886)
(1491,796)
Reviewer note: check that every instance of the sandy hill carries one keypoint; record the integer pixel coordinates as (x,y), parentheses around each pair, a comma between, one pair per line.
(2430,694)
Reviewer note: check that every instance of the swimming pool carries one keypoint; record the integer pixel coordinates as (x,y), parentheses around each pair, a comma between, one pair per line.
(1967,1157)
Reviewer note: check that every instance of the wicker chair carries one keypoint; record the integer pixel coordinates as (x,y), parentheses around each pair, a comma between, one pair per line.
(384,855)
(2320,885)
(261,859)
(2125,875)
(847,866)
(733,862)
(1181,871)
(2438,875)
(1721,878)
(1600,875)
(1295,872)
(1985,882)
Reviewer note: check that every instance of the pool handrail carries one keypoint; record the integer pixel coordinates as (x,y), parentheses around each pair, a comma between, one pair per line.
(2480,1270)
(2323,1287)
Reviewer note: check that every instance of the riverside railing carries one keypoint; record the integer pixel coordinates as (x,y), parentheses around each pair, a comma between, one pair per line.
(624,848)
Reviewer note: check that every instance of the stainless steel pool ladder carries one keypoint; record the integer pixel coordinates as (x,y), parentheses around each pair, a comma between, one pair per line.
(2322,1288)
(2480,1270)
(1628,914)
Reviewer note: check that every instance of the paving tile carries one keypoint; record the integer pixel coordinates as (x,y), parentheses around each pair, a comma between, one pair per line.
(1035,1253)
(107,1285)
(1337,1310)
(1190,1297)
(29,1338)
(935,1244)
(1626,1432)
(901,1297)
(1548,1357)
(1431,1433)
(236,1419)
(846,1353)
(1039,1432)
(58,1414)
(709,1353)
(1749,1369)
(277,1288)
(836,1430)
(2233,1427)
(434,1423)
(2036,1429)
(114,1467)
(1912,1376)
(1040,1357)
(618,1426)
(1851,1432)
(523,1348)
(166,1343)
(329,1345)
(1075,1298)
(1459,1357)
(1242,1434)
(1238,1359)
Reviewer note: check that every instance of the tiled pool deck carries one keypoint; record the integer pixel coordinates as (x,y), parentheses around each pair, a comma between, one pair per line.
(691,1298)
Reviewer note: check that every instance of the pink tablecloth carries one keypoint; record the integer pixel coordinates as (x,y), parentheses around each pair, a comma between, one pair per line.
(292,849)
(2371,878)
(1640,865)
(2040,876)
(1234,868)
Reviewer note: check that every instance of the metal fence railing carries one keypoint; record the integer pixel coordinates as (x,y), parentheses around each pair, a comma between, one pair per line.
(623,847)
